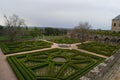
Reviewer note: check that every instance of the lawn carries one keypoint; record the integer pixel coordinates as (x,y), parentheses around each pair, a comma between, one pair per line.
(54,64)
(14,47)
(63,39)
(99,48)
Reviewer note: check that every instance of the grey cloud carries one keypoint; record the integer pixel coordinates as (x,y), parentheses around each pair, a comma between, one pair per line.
(63,13)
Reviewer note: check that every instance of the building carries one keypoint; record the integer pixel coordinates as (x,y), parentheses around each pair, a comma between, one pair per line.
(103,38)
(116,24)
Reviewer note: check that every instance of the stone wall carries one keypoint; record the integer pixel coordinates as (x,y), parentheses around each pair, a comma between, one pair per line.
(113,40)
(101,70)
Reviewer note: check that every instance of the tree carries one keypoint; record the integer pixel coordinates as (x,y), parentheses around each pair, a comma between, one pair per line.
(35,32)
(13,26)
(49,31)
(1,29)
(54,31)
(82,31)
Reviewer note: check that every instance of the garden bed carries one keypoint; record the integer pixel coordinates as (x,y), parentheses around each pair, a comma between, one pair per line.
(14,47)
(64,40)
(99,48)
(54,64)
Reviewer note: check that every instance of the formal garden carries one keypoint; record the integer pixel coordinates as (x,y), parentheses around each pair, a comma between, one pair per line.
(49,63)
(53,64)
(63,39)
(13,47)
(99,48)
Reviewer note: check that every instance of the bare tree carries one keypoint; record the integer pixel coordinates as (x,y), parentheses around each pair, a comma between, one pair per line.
(82,31)
(13,26)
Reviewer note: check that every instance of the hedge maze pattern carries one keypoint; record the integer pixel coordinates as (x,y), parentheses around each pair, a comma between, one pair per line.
(63,40)
(99,48)
(54,64)
(14,47)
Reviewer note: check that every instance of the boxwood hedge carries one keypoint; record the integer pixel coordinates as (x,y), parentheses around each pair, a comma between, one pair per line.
(48,69)
(99,48)
(65,40)
(14,47)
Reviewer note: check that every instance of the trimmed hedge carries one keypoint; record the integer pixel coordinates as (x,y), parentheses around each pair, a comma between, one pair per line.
(21,72)
(65,40)
(14,47)
(47,69)
(99,48)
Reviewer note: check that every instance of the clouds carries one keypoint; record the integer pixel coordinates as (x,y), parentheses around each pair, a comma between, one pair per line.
(63,13)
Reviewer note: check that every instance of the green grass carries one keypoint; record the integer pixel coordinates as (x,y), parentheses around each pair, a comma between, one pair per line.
(99,48)
(14,47)
(42,66)
(63,39)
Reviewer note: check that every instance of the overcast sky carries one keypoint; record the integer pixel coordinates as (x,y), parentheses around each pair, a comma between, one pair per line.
(62,13)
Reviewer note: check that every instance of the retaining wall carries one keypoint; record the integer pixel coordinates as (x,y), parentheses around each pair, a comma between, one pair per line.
(99,71)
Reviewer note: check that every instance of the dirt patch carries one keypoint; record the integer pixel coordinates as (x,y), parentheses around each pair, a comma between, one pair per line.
(59,59)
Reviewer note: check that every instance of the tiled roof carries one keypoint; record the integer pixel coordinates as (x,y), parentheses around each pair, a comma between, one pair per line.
(117,18)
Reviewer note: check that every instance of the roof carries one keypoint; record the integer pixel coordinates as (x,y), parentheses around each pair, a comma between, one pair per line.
(117,18)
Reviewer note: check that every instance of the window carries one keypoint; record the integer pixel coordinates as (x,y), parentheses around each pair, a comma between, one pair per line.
(114,31)
(114,24)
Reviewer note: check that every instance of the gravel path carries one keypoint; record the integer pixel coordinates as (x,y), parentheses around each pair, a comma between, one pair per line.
(55,45)
(29,51)
(92,53)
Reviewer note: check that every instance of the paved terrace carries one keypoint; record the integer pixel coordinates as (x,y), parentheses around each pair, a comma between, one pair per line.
(6,72)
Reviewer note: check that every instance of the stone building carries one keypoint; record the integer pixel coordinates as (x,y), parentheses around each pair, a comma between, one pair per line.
(116,24)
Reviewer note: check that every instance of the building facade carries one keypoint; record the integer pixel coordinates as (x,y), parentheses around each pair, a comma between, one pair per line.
(109,39)
(116,24)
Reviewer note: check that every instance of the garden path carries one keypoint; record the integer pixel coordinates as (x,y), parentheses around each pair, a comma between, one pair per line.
(29,51)
(74,46)
(92,53)
(6,73)
(55,45)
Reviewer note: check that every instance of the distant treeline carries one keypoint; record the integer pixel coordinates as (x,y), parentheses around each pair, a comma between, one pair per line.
(14,33)
(48,31)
